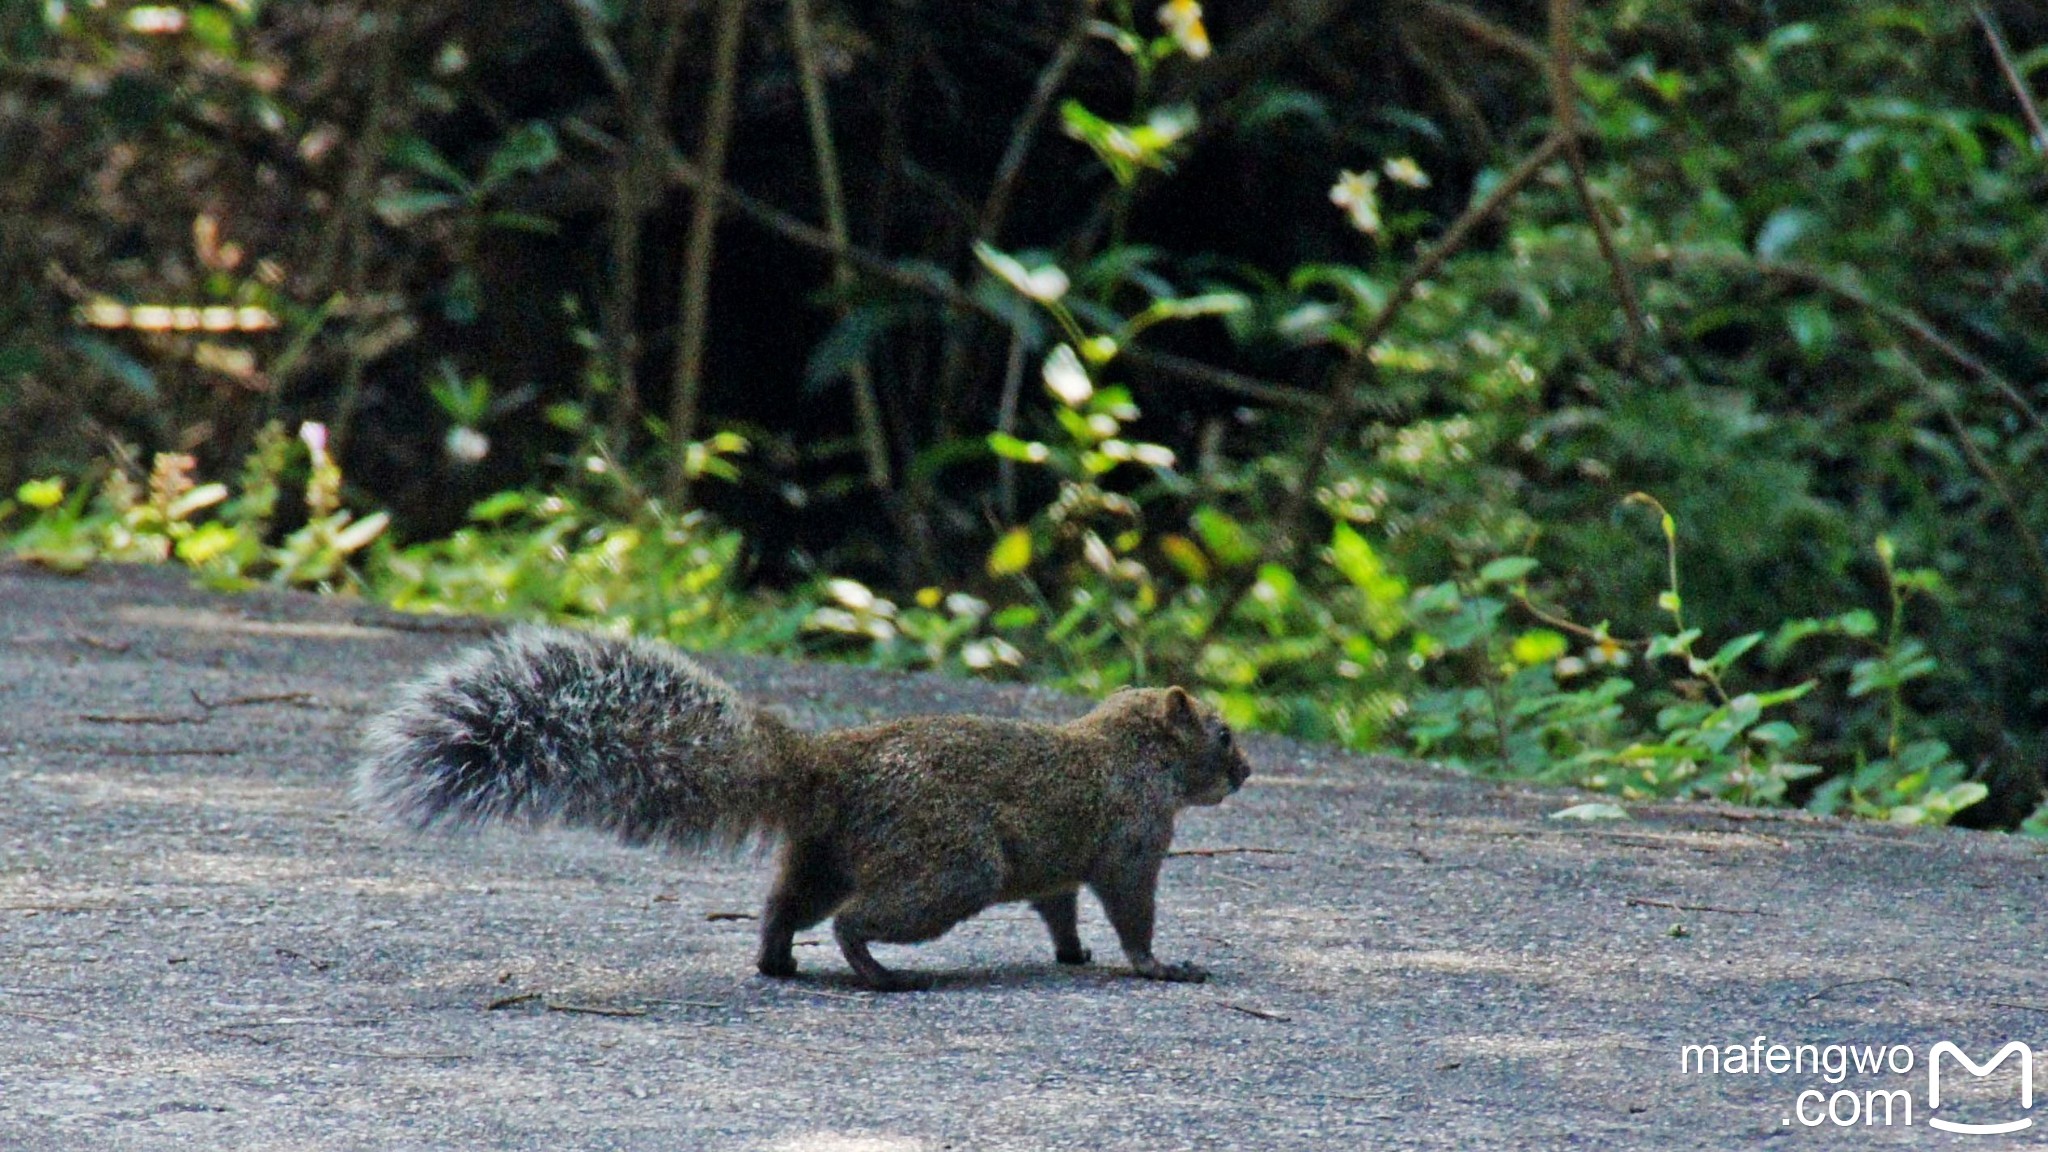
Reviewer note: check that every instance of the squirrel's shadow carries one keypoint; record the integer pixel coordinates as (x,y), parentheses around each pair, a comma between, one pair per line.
(1000,977)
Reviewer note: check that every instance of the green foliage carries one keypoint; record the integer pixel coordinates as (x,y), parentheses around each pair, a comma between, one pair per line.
(553,557)
(1827,214)
(171,516)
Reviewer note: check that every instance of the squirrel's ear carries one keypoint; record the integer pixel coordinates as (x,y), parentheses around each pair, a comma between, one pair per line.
(1177,707)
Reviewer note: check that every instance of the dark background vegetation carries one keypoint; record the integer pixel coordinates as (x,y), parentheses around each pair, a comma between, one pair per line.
(1782,266)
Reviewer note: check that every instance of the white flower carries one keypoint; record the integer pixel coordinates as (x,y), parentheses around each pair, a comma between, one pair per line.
(1357,194)
(1044,284)
(962,604)
(315,436)
(1403,170)
(1182,19)
(466,445)
(852,593)
(1066,379)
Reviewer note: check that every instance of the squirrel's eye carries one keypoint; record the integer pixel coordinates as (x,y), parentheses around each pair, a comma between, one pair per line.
(1225,738)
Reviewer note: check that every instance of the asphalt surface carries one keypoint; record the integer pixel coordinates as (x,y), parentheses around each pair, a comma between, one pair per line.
(202,946)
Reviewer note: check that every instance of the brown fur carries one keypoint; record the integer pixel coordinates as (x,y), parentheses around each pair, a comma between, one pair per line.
(909,828)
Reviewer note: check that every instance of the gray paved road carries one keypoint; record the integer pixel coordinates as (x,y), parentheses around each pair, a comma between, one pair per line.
(201,946)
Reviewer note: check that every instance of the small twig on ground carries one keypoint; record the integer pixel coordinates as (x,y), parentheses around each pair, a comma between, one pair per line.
(377,1055)
(730,916)
(140,752)
(504,1002)
(1254,1012)
(115,646)
(594,1010)
(314,963)
(140,718)
(1231,852)
(1646,902)
(211,706)
(1900,981)
(2018,1005)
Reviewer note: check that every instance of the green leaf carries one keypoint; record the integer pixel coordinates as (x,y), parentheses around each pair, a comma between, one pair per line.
(1812,326)
(1507,570)
(399,209)
(1224,537)
(420,156)
(498,507)
(1014,617)
(1733,650)
(1023,451)
(527,149)
(851,342)
(214,28)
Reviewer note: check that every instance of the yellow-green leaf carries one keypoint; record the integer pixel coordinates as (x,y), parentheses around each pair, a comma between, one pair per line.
(1012,554)
(41,493)
(1538,646)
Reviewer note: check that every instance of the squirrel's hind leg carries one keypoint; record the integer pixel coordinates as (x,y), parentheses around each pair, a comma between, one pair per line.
(870,970)
(1062,917)
(922,909)
(808,886)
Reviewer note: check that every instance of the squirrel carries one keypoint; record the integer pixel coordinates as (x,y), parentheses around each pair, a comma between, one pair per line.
(896,831)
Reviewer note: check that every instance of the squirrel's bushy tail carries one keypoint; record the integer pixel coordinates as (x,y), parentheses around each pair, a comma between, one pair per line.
(551,726)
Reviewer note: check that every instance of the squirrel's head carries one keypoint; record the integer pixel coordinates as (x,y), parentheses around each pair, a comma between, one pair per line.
(1198,744)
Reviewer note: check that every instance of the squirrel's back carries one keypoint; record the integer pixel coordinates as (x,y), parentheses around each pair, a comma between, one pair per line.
(551,726)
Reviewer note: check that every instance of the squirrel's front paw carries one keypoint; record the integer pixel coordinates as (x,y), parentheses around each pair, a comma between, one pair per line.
(1181,973)
(1075,956)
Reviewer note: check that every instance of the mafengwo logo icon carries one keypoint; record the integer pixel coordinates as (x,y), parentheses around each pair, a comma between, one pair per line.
(1958,1057)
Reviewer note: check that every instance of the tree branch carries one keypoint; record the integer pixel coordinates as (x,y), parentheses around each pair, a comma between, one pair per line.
(818,114)
(696,281)
(1486,32)
(926,280)
(2012,76)
(995,210)
(2030,541)
(1564,102)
